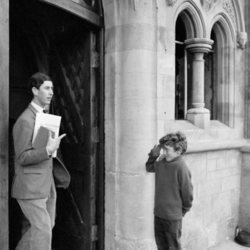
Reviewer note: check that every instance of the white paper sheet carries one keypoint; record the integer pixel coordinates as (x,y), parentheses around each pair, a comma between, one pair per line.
(52,122)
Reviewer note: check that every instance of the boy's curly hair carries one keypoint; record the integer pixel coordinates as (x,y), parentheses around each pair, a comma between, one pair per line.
(176,140)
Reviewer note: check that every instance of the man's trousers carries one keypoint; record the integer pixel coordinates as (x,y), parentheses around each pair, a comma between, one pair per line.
(40,215)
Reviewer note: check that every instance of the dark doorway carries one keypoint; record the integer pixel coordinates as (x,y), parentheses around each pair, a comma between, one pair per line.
(68,48)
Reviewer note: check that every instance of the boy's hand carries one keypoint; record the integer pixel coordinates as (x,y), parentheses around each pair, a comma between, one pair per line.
(155,151)
(161,157)
(53,143)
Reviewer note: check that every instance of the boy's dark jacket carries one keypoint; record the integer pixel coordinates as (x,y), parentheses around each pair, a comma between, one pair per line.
(173,187)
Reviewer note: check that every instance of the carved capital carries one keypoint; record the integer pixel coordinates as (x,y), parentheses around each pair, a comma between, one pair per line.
(241,40)
(171,2)
(199,45)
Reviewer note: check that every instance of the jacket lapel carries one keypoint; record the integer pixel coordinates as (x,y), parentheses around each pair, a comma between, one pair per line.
(33,110)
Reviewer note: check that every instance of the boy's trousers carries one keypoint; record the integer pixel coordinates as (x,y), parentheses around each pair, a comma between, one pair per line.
(167,233)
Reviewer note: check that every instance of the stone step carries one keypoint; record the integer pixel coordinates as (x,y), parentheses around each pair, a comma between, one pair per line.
(229,245)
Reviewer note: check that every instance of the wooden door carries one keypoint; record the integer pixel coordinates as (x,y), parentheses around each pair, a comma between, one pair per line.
(74,67)
(69,49)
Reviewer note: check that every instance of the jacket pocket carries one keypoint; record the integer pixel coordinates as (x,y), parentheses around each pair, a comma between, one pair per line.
(27,170)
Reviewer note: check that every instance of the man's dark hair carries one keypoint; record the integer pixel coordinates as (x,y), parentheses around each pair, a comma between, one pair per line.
(37,79)
(176,140)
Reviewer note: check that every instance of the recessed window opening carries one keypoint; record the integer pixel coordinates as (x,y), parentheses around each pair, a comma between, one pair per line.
(219,76)
(180,32)
(211,101)
(183,72)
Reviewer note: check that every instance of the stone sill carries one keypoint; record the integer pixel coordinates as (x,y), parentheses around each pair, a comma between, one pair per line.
(205,146)
(246,148)
(217,137)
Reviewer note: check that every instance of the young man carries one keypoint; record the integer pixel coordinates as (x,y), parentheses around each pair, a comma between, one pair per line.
(33,183)
(173,189)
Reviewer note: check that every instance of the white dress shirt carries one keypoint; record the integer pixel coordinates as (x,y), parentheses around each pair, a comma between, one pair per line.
(37,107)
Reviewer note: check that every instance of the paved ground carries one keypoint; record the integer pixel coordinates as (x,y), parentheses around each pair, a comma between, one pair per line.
(229,245)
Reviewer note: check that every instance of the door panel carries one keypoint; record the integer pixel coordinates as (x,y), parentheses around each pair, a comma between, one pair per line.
(75,101)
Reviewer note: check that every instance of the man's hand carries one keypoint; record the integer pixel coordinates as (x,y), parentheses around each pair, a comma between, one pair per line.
(53,143)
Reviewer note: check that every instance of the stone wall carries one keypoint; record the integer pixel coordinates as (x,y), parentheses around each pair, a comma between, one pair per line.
(244,218)
(216,178)
(139,108)
(130,102)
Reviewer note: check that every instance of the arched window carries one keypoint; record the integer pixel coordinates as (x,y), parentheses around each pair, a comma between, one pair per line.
(183,70)
(204,72)
(211,72)
(180,78)
(219,75)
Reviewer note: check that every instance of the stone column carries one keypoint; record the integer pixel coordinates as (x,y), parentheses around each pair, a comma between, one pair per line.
(130,122)
(198,114)
(4,118)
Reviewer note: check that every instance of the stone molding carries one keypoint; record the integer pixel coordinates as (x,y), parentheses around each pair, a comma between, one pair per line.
(205,146)
(228,6)
(200,110)
(196,45)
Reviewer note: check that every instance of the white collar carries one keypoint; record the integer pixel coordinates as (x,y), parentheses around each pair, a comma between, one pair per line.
(37,107)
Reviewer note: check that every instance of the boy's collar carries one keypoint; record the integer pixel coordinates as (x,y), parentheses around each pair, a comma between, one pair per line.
(174,159)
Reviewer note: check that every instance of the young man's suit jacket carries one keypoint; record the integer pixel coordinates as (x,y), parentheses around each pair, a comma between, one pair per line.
(34,169)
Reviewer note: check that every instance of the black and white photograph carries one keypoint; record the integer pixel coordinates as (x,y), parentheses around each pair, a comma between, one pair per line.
(124,125)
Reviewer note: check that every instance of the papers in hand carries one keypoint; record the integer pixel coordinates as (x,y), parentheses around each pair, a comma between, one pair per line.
(43,124)
(42,137)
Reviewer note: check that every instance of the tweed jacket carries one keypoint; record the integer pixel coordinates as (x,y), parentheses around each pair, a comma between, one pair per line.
(34,170)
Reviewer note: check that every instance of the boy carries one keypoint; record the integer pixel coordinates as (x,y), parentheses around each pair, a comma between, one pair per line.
(173,189)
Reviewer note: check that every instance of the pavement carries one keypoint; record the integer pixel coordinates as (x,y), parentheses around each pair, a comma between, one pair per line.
(229,245)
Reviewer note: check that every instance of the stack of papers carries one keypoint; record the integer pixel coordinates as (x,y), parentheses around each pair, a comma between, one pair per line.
(43,125)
